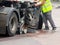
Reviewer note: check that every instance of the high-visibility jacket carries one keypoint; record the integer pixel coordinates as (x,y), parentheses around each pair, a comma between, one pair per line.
(46,7)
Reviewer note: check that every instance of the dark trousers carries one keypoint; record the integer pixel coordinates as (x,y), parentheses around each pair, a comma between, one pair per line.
(47,17)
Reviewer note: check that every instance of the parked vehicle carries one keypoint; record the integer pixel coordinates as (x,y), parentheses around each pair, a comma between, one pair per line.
(17,16)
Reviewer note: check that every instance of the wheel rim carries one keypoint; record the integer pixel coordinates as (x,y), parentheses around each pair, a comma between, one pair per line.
(13,25)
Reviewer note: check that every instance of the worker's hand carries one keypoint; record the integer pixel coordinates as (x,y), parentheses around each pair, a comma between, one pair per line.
(35,4)
(38,3)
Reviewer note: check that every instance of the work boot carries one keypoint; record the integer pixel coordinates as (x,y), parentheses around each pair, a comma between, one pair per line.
(54,28)
(46,28)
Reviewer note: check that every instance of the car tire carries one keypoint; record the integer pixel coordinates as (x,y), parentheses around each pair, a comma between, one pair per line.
(12,25)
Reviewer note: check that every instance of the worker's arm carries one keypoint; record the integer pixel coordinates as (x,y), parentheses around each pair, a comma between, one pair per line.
(40,3)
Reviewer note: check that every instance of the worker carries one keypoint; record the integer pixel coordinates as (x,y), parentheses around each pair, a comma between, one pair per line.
(46,8)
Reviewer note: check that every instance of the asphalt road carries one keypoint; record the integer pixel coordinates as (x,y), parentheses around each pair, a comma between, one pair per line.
(41,38)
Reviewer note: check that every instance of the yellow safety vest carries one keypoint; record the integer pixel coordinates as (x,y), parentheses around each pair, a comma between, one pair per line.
(46,7)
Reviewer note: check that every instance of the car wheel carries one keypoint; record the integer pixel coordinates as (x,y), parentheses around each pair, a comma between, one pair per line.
(12,25)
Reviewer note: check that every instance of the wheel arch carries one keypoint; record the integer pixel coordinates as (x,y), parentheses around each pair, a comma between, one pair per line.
(17,15)
(9,14)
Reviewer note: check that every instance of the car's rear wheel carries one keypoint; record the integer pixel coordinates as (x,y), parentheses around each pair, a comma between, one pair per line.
(12,25)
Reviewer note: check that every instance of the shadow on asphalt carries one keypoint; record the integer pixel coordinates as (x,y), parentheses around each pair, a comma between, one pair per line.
(3,36)
(17,36)
(27,34)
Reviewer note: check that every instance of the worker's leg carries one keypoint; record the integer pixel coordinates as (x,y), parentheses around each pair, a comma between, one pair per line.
(45,21)
(49,17)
